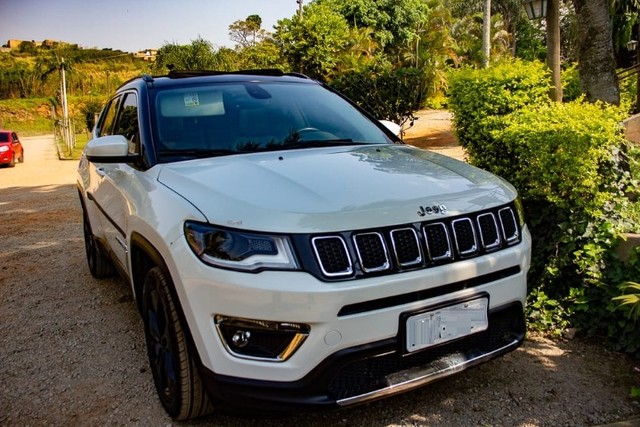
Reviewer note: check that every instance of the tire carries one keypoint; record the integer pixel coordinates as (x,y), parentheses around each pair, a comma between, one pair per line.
(175,372)
(100,266)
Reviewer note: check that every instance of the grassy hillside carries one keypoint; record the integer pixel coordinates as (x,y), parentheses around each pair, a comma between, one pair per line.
(30,82)
(26,116)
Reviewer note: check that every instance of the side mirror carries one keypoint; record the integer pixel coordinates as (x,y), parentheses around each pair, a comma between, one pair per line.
(393,127)
(109,149)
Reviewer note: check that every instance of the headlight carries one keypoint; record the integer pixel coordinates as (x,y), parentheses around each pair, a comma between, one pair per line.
(4,148)
(239,249)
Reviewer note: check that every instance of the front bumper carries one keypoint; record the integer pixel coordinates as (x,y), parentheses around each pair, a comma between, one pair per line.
(353,352)
(6,157)
(371,371)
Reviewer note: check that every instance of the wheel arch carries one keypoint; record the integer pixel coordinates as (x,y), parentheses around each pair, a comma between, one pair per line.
(145,256)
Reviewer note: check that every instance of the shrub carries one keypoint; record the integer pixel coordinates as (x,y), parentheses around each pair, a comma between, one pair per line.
(89,110)
(571,90)
(574,174)
(480,98)
(569,164)
(386,94)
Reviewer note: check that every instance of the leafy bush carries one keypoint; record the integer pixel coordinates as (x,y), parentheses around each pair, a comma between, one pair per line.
(630,298)
(628,93)
(387,94)
(571,83)
(480,98)
(574,174)
(89,110)
(568,162)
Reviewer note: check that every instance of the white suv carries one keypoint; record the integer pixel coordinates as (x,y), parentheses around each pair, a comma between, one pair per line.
(289,252)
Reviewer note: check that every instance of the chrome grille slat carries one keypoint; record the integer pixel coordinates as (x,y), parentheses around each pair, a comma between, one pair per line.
(509,225)
(489,234)
(438,242)
(464,236)
(333,255)
(372,252)
(406,247)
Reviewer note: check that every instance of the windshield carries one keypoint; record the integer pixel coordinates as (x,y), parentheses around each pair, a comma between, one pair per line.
(231,118)
(4,137)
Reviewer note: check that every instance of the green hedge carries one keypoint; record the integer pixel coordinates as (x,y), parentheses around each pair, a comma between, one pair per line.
(571,166)
(480,98)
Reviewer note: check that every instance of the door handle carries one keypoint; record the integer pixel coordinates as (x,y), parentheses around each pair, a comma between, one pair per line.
(100,171)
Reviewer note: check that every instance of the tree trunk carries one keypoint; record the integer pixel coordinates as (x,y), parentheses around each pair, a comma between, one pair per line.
(598,78)
(486,34)
(553,48)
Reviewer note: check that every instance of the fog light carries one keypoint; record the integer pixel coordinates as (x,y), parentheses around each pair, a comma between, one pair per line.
(259,339)
(241,338)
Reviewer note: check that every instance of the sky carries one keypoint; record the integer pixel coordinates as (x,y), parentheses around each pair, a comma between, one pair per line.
(134,25)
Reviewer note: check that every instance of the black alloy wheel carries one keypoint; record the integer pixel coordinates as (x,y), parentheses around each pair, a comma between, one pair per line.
(175,374)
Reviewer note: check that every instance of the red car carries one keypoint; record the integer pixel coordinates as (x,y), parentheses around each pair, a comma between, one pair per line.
(10,148)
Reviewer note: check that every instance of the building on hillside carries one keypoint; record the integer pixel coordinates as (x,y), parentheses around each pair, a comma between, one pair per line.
(50,43)
(147,54)
(15,44)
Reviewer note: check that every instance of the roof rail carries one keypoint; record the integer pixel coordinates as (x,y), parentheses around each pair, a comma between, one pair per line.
(294,74)
(177,74)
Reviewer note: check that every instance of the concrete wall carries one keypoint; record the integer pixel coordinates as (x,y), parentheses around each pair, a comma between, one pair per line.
(632,128)
(625,248)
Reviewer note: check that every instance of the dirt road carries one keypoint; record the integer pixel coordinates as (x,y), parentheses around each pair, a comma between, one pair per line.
(72,349)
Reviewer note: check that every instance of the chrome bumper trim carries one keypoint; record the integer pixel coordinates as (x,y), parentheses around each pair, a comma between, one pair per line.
(438,369)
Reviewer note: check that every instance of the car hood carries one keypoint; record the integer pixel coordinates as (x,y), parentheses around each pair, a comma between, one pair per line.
(332,189)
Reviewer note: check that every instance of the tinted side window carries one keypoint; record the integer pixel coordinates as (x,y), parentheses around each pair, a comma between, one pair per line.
(109,117)
(127,123)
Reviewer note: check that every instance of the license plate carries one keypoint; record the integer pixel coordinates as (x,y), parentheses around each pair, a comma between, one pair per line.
(446,324)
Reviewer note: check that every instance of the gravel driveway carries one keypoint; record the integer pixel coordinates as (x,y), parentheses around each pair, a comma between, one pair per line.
(72,349)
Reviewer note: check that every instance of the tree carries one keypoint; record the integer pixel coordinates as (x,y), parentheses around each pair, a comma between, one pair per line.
(595,51)
(314,44)
(467,32)
(395,23)
(199,55)
(511,12)
(265,54)
(361,52)
(248,32)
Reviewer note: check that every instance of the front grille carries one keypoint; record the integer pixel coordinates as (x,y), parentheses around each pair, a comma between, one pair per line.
(419,245)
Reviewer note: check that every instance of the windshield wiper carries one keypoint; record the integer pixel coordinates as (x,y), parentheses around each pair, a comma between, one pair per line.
(197,152)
